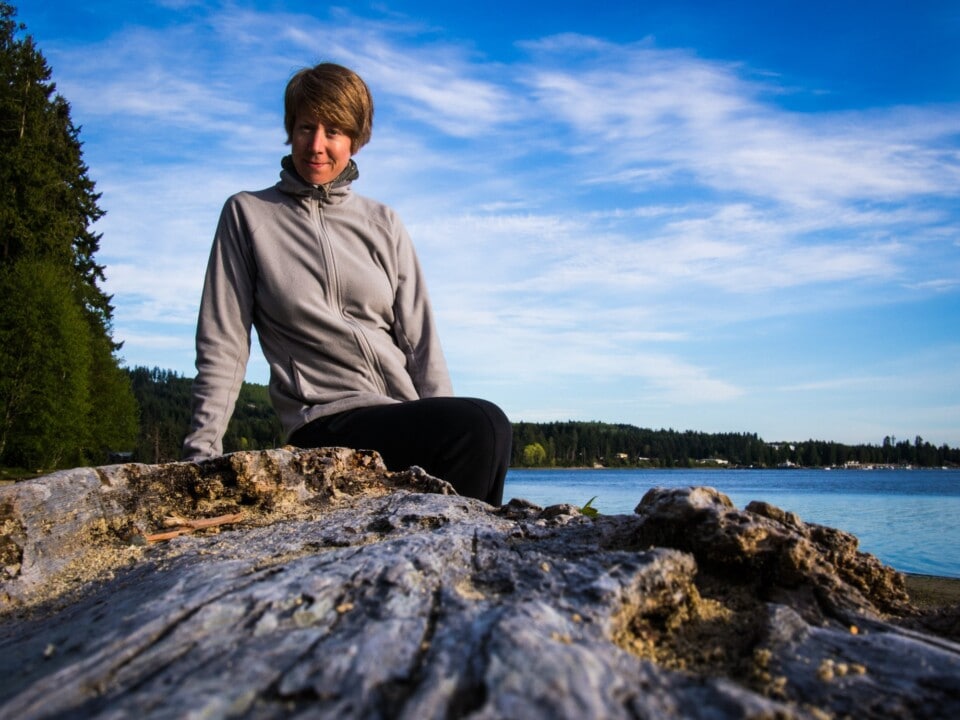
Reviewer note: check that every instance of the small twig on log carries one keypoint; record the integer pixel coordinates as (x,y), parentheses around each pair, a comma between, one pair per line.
(188,526)
(175,521)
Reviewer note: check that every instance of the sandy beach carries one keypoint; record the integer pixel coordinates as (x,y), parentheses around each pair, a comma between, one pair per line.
(928,591)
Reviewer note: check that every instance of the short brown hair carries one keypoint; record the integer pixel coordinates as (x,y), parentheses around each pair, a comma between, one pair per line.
(334,95)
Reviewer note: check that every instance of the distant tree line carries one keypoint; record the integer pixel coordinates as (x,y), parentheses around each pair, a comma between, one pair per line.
(585,444)
(164,399)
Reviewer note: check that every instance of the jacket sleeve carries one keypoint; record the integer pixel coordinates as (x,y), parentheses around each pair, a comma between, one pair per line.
(415,329)
(223,335)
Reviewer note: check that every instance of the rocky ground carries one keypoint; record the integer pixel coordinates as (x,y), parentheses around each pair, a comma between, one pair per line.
(316,584)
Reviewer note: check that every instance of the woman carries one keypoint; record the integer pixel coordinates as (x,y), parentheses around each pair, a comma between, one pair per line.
(332,284)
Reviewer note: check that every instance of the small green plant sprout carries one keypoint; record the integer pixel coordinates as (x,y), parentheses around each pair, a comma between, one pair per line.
(589,510)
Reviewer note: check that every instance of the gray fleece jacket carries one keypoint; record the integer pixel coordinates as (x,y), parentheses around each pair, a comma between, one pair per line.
(332,284)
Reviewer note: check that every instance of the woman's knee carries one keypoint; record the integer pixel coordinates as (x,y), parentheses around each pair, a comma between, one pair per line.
(489,419)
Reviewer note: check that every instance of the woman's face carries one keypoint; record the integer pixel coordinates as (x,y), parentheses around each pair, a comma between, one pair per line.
(320,153)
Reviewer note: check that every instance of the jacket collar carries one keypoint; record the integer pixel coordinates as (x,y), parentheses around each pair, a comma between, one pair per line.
(334,191)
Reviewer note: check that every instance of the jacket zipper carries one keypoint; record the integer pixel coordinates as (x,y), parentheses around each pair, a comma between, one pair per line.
(337,300)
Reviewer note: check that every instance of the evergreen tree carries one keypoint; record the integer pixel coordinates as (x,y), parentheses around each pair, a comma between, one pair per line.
(164,400)
(114,413)
(69,380)
(45,356)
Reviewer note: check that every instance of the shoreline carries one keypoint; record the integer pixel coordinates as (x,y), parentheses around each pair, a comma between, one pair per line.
(877,467)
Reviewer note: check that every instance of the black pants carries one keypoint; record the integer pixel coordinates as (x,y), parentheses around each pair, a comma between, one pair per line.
(465,441)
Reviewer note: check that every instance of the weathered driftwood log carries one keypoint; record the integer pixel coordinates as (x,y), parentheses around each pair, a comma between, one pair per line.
(344,591)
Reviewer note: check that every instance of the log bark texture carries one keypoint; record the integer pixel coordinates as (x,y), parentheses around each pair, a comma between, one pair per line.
(336,589)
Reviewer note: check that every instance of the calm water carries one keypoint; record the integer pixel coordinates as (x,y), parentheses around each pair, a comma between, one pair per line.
(910,519)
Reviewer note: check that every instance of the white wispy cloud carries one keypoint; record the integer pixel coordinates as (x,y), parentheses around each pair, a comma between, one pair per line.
(675,115)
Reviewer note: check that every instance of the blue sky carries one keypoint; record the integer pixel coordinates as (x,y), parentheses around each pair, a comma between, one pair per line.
(737,216)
